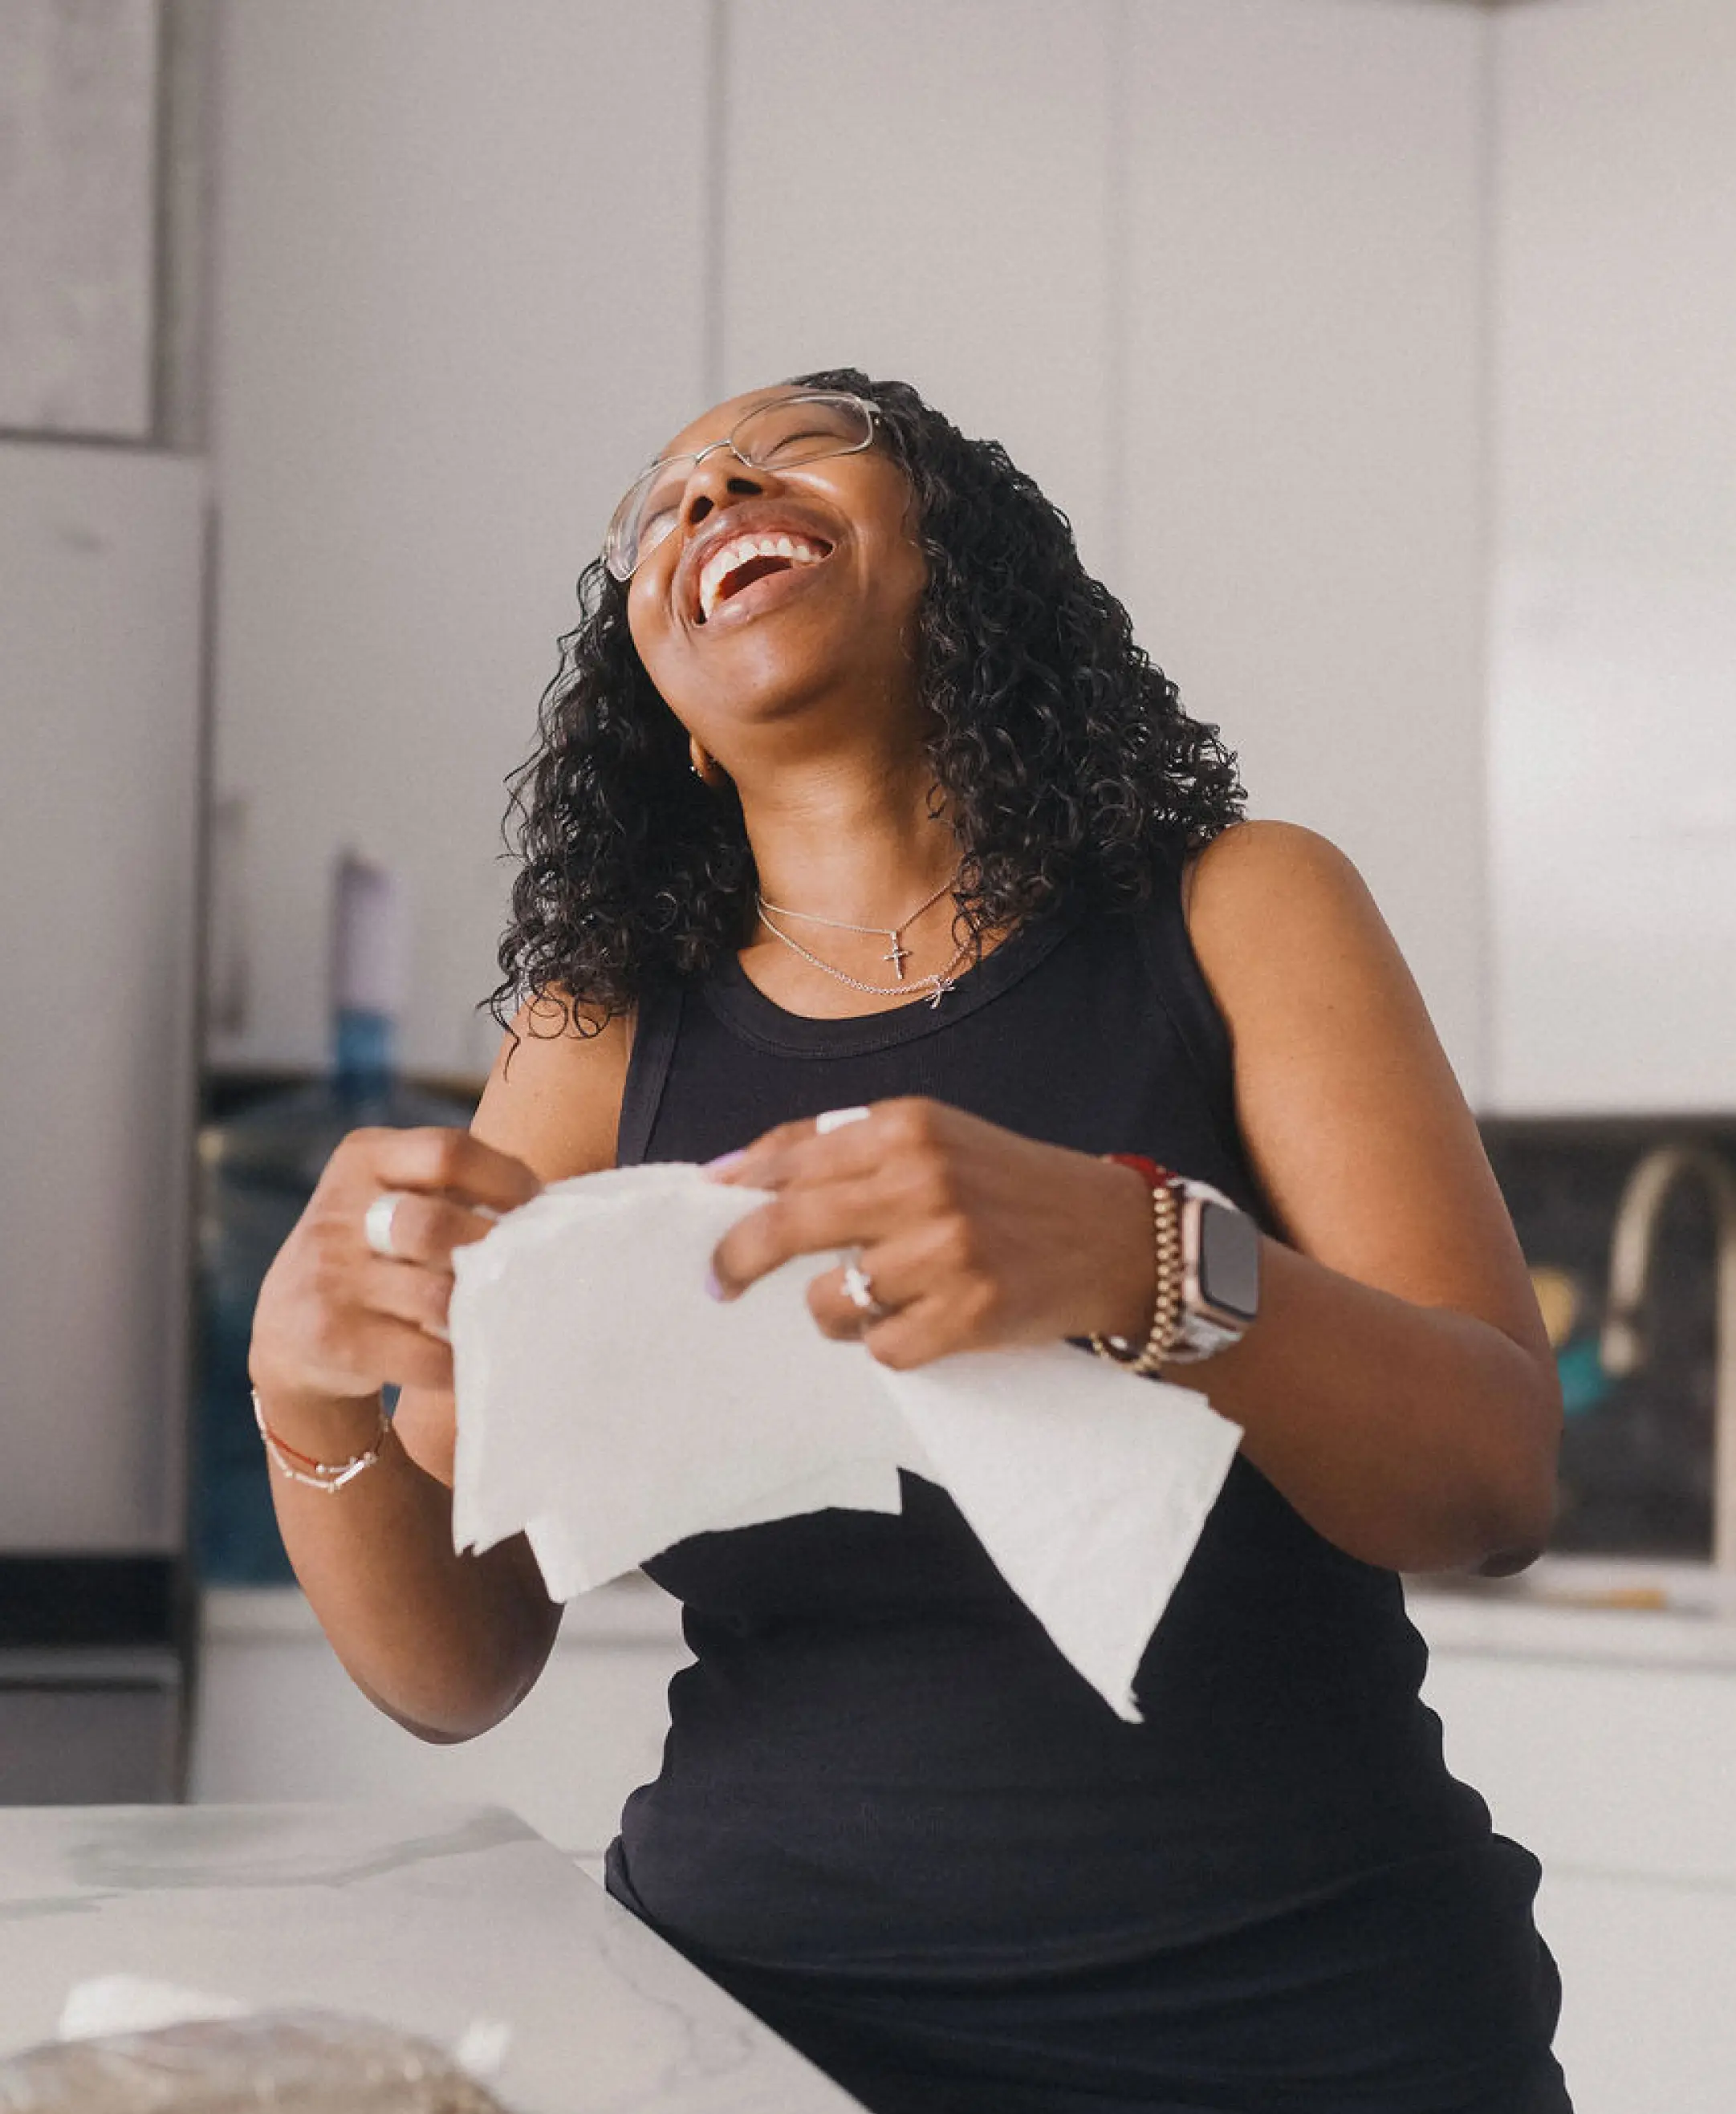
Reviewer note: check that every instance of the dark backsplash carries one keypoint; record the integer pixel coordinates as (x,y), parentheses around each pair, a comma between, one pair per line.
(1637,1454)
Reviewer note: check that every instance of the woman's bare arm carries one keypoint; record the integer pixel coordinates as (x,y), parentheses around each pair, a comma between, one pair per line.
(1399,1387)
(447,1645)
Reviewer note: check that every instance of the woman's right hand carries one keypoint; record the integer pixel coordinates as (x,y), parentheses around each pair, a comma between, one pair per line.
(335,1321)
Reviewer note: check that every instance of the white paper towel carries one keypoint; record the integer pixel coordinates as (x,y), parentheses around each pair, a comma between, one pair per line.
(608,1407)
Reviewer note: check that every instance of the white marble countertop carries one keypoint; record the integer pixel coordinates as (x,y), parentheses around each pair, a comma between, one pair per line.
(426,1918)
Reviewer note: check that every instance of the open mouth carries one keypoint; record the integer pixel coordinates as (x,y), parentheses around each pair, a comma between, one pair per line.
(737,563)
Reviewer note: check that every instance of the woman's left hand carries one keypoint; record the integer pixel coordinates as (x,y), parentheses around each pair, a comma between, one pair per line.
(971,1237)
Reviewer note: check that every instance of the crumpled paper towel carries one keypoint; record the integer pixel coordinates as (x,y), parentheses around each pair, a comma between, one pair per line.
(608,1407)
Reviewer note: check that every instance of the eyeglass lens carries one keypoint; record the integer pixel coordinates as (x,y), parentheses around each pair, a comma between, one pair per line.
(789,431)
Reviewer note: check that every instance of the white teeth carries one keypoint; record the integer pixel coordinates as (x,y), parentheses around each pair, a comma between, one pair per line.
(737,551)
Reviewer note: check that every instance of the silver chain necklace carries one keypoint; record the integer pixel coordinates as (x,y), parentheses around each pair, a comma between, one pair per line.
(901,953)
(939,981)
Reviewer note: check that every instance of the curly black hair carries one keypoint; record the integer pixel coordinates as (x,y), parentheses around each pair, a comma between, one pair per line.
(1062,754)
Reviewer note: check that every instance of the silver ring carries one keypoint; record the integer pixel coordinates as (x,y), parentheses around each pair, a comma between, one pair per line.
(836,1118)
(376,1224)
(859,1287)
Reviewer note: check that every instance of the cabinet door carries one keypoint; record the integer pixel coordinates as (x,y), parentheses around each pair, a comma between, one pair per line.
(1619,1777)
(1647,2023)
(459,303)
(1302,432)
(1613,742)
(926,192)
(279,1718)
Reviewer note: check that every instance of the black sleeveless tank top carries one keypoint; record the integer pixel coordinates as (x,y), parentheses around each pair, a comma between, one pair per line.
(879,1766)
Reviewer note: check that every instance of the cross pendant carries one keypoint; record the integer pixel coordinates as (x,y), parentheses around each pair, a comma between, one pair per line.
(899,956)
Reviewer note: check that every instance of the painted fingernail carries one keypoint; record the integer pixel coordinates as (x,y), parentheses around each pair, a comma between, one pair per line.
(836,1118)
(713,1288)
(724,1161)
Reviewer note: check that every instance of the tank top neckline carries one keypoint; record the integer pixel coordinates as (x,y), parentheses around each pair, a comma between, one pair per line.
(744,1008)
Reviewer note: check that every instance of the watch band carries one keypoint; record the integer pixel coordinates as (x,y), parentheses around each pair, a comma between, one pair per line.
(1207,1326)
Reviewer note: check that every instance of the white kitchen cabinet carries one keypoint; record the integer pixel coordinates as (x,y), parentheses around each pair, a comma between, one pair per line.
(458,301)
(1302,432)
(278,1718)
(1618,1769)
(1613,745)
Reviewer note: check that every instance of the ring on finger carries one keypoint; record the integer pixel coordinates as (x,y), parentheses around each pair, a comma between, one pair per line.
(376,1222)
(858,1288)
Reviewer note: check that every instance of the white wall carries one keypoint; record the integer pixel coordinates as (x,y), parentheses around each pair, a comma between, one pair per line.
(1614,740)
(458,300)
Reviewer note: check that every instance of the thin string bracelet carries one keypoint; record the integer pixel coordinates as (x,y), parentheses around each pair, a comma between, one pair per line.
(299,1467)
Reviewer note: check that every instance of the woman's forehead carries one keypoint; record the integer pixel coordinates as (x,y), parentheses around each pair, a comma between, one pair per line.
(722,419)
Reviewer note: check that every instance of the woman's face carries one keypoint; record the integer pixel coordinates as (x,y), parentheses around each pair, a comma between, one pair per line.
(730,648)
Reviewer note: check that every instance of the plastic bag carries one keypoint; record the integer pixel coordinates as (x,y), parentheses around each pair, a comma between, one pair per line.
(295,2062)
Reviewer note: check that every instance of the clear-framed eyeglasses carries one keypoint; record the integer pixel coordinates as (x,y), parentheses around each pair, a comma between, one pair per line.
(806,426)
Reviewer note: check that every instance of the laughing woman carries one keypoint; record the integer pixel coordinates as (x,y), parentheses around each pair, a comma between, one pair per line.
(854,793)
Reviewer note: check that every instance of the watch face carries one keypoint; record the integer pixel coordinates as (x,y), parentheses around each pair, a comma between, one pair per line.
(1229,1260)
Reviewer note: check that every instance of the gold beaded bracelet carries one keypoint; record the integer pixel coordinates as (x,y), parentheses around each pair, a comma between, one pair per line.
(1166,1313)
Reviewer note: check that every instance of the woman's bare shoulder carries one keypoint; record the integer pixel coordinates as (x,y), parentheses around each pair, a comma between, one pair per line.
(554,1092)
(1353,1118)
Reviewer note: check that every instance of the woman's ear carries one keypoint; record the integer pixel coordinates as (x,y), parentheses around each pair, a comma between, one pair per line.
(706,766)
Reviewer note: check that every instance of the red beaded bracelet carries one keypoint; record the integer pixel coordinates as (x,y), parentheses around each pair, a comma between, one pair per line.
(1166,1311)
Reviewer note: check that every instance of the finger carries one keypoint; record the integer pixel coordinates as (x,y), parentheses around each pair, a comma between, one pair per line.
(409,1355)
(798,1220)
(778,1154)
(368,1348)
(426,1228)
(838,1313)
(432,1157)
(915,1335)
(406,1291)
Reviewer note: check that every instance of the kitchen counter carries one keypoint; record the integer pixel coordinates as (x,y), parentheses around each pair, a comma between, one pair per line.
(428,1918)
(1619,1611)
(1625,1611)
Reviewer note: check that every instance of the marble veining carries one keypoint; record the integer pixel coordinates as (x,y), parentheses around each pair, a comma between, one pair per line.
(426,1918)
(238,1845)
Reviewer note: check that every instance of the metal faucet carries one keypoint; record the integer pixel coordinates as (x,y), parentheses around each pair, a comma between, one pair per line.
(1623,1349)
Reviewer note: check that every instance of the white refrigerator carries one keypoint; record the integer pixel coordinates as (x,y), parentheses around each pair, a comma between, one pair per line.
(102,591)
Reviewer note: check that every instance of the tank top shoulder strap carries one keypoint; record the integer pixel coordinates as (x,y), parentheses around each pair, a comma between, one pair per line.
(1181,990)
(657,1023)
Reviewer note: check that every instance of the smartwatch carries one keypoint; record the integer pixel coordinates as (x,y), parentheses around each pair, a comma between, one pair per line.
(1220,1272)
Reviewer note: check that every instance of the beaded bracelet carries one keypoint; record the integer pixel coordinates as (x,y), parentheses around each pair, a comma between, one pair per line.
(1166,1313)
(303,1468)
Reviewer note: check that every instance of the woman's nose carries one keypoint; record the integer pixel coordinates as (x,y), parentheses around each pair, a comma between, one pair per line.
(720,476)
